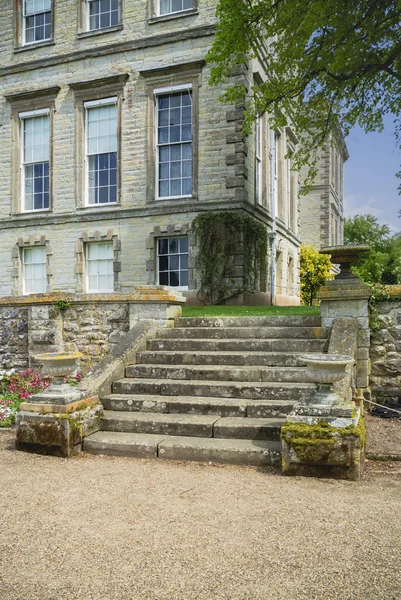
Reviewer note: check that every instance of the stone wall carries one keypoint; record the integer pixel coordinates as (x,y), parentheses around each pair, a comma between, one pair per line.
(93,325)
(13,337)
(385,353)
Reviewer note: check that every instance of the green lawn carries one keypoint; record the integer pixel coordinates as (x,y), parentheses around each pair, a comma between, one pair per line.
(248,311)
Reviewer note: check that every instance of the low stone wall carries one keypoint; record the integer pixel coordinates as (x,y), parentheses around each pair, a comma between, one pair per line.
(91,324)
(385,350)
(13,337)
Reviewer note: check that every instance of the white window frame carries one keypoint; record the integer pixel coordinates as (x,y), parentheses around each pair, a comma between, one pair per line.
(91,104)
(87,4)
(182,288)
(259,160)
(23,250)
(156,93)
(88,288)
(175,12)
(22,116)
(24,16)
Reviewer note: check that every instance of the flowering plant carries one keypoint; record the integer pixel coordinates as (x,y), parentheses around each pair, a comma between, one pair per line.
(15,388)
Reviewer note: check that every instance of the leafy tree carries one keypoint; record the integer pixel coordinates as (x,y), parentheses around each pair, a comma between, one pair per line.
(382,264)
(315,271)
(338,60)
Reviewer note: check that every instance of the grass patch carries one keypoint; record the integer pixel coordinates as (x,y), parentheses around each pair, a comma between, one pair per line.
(248,311)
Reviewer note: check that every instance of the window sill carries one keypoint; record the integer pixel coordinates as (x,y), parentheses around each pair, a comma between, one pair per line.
(177,15)
(107,206)
(34,46)
(86,34)
(41,212)
(172,198)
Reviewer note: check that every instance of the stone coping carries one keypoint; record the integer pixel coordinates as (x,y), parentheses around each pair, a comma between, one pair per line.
(140,295)
(59,408)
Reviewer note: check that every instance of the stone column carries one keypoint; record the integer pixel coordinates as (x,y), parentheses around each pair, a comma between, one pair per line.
(348,296)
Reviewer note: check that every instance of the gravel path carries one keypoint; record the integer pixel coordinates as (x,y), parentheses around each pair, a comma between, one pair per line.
(97,528)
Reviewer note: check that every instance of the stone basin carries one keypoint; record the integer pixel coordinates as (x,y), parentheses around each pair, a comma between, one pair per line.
(57,365)
(345,256)
(326,368)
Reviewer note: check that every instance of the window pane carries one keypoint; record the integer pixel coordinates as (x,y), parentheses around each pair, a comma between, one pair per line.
(173,245)
(102,129)
(163,246)
(99,266)
(174,278)
(34,270)
(102,178)
(184,278)
(163,278)
(173,261)
(175,127)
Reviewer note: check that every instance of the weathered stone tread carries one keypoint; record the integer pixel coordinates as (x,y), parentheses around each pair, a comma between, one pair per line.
(239,345)
(159,423)
(243,332)
(123,444)
(226,389)
(242,452)
(248,428)
(227,407)
(224,357)
(272,321)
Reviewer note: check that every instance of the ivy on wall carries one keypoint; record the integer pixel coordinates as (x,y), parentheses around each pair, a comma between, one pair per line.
(232,249)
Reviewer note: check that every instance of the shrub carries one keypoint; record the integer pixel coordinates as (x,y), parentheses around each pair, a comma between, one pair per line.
(315,271)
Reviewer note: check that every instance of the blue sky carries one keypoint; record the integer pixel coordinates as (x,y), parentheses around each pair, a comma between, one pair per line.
(370,184)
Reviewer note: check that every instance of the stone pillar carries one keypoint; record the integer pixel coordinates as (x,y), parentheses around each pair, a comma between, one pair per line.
(350,298)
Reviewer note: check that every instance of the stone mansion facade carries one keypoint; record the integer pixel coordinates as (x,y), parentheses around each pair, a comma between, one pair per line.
(113,140)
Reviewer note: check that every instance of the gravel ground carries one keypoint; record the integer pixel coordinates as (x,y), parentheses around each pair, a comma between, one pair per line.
(383,438)
(97,528)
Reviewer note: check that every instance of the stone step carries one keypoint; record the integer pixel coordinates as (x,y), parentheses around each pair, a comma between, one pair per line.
(272,321)
(225,407)
(236,345)
(319,333)
(218,373)
(114,443)
(228,451)
(159,423)
(268,359)
(248,428)
(241,390)
(193,425)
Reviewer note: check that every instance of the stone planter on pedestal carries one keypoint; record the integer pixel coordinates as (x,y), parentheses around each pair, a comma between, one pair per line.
(325,435)
(348,296)
(56,420)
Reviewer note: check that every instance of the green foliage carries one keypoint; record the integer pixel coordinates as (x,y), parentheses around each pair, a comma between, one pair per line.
(380,293)
(335,60)
(62,305)
(382,264)
(227,240)
(315,271)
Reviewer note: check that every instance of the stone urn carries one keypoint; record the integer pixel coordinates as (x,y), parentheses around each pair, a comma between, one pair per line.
(345,256)
(326,369)
(58,367)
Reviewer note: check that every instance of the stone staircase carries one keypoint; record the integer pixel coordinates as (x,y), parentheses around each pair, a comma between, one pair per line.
(211,389)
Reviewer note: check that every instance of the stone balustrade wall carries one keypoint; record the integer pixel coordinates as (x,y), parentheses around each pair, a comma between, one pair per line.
(93,325)
(385,353)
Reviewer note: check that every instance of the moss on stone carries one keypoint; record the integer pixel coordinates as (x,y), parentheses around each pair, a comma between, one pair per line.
(315,443)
